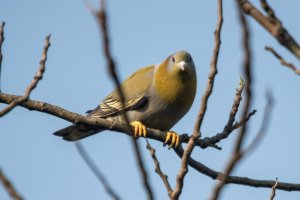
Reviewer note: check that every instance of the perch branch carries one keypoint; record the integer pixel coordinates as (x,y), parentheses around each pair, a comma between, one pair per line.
(105,124)
(151,133)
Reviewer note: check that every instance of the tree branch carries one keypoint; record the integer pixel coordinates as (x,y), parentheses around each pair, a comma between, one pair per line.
(101,17)
(1,42)
(273,193)
(9,187)
(158,170)
(231,123)
(237,150)
(210,83)
(34,82)
(273,25)
(270,12)
(100,176)
(282,61)
(239,180)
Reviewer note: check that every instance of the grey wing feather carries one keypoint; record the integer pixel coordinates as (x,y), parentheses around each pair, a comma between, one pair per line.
(134,99)
(111,106)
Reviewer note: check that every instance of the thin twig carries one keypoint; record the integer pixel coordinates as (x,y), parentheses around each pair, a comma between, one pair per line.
(1,42)
(231,124)
(209,88)
(96,171)
(273,193)
(273,26)
(158,170)
(102,20)
(34,82)
(9,187)
(236,154)
(264,4)
(282,61)
(243,121)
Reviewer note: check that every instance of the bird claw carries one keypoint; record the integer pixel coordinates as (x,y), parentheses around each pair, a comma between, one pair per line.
(172,139)
(139,129)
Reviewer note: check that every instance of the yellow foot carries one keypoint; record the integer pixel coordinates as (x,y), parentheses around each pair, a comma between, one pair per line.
(139,129)
(172,139)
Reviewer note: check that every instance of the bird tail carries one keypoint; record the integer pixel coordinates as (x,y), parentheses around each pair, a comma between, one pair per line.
(76,132)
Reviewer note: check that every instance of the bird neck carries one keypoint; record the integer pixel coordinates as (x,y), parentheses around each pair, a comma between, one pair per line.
(176,89)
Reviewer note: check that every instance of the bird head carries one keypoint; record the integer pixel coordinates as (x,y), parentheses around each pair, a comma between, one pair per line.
(181,63)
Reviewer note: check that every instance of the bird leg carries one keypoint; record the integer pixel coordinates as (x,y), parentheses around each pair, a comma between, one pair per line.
(173,138)
(139,129)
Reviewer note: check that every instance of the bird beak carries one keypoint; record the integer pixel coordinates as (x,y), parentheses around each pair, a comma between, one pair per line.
(182,65)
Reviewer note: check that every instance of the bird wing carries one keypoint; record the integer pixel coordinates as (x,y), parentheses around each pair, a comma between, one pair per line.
(135,89)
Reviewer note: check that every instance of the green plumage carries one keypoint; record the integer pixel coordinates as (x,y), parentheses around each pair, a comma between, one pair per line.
(157,96)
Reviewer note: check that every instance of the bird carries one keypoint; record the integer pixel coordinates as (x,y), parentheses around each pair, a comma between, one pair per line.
(156,96)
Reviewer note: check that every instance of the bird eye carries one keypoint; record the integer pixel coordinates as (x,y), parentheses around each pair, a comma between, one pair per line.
(173,59)
(190,59)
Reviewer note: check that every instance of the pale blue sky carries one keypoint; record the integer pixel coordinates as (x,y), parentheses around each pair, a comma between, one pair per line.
(43,166)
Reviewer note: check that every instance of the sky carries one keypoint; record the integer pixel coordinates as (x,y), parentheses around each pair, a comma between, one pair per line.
(42,166)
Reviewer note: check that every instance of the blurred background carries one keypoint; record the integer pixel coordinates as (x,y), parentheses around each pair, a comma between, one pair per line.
(42,166)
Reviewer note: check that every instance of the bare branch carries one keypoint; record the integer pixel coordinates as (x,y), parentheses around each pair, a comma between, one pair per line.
(34,82)
(273,193)
(198,166)
(96,171)
(9,187)
(237,154)
(272,25)
(282,61)
(212,141)
(158,170)
(1,42)
(197,133)
(230,126)
(245,120)
(268,9)
(102,20)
